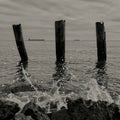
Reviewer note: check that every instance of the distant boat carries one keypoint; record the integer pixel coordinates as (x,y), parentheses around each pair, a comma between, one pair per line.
(36,39)
(76,40)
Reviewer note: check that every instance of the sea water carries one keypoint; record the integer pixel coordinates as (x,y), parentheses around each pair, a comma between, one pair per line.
(79,77)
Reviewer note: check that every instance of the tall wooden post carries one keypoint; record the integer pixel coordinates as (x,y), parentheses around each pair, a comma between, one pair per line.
(20,42)
(101,42)
(60,41)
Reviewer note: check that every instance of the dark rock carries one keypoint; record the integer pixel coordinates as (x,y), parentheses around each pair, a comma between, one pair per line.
(61,115)
(88,110)
(8,110)
(21,86)
(115,112)
(53,106)
(116,115)
(50,115)
(78,111)
(21,116)
(35,111)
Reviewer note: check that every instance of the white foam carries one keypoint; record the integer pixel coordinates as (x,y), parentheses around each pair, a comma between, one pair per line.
(96,92)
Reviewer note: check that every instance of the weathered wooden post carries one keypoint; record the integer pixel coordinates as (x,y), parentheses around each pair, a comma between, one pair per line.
(20,42)
(101,42)
(60,41)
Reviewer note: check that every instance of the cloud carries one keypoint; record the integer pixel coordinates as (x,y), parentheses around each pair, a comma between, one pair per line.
(39,15)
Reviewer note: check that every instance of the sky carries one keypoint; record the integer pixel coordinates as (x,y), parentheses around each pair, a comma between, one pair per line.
(37,18)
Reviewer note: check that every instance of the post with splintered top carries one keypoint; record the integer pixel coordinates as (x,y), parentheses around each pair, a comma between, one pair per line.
(20,42)
(101,42)
(60,41)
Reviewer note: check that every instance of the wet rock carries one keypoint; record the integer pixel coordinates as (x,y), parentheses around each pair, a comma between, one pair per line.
(114,110)
(61,115)
(21,86)
(78,111)
(8,110)
(21,116)
(88,110)
(116,115)
(35,111)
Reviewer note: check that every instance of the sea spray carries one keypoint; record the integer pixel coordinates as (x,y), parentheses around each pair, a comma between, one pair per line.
(25,74)
(96,92)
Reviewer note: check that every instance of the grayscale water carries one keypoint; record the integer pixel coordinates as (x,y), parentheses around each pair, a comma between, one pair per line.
(82,76)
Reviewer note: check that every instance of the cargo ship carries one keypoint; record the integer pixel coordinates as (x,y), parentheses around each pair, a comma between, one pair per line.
(36,39)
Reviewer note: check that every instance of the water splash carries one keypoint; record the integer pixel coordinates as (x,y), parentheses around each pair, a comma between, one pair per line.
(25,74)
(96,92)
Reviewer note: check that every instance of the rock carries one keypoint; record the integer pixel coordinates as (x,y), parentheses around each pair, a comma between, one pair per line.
(21,86)
(21,116)
(114,110)
(61,115)
(78,111)
(8,110)
(88,110)
(35,111)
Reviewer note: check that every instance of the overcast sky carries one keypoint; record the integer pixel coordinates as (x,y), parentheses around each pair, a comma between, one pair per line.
(37,17)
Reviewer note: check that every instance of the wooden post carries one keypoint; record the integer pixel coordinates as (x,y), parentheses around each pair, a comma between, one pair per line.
(20,42)
(101,42)
(60,41)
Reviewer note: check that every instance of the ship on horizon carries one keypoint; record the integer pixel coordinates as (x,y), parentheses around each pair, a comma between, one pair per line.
(35,39)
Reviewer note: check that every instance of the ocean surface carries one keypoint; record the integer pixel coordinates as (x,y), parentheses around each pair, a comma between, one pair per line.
(81,76)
